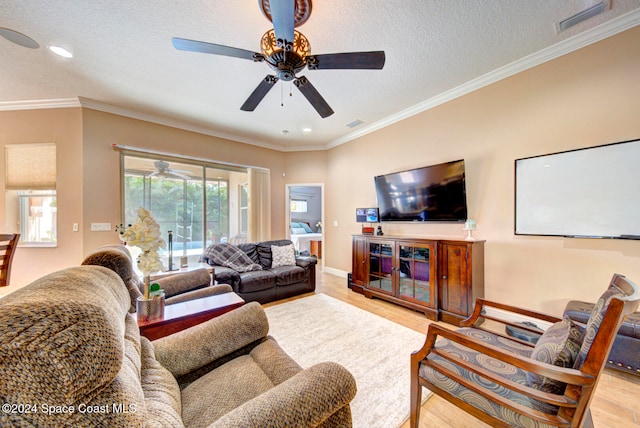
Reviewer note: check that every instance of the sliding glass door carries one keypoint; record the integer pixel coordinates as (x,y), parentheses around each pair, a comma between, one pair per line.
(192,201)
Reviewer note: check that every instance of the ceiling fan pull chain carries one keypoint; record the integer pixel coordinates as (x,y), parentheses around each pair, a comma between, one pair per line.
(281,95)
(290,91)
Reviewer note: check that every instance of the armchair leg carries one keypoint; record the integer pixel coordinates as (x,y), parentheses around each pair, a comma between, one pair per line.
(416,396)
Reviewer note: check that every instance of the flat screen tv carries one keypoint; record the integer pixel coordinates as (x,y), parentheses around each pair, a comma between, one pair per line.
(586,193)
(431,193)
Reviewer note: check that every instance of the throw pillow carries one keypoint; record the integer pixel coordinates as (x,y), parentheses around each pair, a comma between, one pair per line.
(283,255)
(298,230)
(230,256)
(559,345)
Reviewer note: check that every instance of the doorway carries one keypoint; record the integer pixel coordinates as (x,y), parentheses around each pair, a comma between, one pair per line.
(305,218)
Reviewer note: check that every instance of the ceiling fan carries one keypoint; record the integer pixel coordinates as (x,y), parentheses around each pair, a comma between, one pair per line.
(164,171)
(287,52)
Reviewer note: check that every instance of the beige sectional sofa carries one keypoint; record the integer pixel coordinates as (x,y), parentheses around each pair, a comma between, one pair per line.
(71,355)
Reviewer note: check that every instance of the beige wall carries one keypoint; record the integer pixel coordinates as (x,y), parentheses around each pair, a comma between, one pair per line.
(101,164)
(89,175)
(63,127)
(587,98)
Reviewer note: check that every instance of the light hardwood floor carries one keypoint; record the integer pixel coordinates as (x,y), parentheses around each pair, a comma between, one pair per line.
(615,404)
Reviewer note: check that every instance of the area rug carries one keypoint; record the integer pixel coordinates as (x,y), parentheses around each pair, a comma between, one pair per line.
(375,350)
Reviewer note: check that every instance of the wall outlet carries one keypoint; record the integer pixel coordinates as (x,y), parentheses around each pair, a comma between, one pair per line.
(335,223)
(100,227)
(75,227)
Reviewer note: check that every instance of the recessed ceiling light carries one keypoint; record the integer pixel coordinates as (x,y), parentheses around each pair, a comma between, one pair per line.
(61,51)
(306,130)
(19,38)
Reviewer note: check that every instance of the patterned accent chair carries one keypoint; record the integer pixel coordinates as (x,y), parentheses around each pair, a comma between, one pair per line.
(505,381)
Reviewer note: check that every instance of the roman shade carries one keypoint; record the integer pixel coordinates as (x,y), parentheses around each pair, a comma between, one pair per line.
(30,166)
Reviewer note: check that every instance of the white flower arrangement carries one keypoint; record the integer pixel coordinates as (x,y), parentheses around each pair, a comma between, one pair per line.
(145,234)
(319,224)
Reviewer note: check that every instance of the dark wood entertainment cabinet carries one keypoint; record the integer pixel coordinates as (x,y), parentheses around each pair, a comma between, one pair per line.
(438,277)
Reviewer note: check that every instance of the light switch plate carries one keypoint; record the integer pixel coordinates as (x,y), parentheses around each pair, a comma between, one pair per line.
(100,227)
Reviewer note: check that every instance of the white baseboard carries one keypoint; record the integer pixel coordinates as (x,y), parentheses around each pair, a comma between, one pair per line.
(334,271)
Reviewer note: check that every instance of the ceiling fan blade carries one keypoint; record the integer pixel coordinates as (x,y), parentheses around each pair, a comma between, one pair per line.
(259,93)
(351,60)
(212,48)
(313,96)
(282,17)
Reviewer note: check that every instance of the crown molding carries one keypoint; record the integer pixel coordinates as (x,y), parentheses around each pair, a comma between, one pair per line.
(579,41)
(596,34)
(173,123)
(39,104)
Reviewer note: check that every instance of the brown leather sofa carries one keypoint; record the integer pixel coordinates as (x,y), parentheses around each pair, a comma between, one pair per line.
(269,283)
(625,353)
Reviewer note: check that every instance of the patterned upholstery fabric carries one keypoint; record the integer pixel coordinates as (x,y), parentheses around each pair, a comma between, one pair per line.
(177,288)
(69,349)
(559,345)
(178,284)
(68,339)
(189,350)
(594,322)
(229,256)
(315,397)
(248,380)
(237,382)
(161,391)
(118,259)
(509,372)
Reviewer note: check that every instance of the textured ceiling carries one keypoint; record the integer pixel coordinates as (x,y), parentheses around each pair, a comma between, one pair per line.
(124,61)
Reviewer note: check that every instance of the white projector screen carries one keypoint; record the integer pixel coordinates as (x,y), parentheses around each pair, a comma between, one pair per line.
(586,193)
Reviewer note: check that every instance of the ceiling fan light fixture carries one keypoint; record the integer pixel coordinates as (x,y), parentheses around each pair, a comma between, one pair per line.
(285,60)
(300,45)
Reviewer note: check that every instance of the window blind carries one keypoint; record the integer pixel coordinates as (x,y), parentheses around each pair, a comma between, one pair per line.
(30,166)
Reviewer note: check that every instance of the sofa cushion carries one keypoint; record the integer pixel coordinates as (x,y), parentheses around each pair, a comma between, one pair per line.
(70,348)
(189,350)
(264,251)
(161,391)
(251,250)
(230,256)
(187,281)
(251,282)
(287,275)
(559,345)
(118,259)
(91,328)
(283,255)
(235,383)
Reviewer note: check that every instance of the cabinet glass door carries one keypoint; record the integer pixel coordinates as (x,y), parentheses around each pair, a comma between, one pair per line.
(380,266)
(415,273)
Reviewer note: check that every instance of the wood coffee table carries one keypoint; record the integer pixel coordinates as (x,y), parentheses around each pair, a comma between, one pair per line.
(180,316)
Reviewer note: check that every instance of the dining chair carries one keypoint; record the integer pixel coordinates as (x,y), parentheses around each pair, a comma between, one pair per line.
(8,243)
